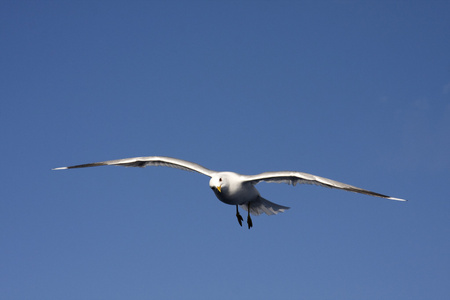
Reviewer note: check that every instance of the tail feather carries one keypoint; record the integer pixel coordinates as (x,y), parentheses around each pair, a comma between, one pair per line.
(264,206)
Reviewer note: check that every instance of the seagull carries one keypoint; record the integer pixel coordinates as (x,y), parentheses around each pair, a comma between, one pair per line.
(237,189)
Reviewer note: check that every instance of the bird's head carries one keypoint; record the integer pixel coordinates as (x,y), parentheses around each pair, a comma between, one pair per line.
(218,183)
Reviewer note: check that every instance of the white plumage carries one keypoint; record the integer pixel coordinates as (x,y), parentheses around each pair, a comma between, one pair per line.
(236,189)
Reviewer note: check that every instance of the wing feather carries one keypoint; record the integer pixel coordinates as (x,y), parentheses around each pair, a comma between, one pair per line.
(294,178)
(149,161)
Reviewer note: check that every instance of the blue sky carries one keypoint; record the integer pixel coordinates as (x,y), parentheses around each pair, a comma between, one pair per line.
(354,91)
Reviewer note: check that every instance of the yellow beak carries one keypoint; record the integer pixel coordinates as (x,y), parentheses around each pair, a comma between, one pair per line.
(219,188)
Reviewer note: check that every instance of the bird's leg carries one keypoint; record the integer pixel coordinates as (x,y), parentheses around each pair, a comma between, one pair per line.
(239,217)
(249,220)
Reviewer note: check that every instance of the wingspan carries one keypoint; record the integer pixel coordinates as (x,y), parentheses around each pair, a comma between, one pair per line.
(149,161)
(294,178)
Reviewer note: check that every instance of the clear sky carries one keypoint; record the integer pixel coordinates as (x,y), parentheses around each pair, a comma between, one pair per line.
(356,91)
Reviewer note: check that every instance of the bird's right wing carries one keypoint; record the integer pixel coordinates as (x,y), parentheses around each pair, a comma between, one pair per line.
(149,161)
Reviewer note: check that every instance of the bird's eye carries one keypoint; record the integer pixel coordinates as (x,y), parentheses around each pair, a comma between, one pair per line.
(220,179)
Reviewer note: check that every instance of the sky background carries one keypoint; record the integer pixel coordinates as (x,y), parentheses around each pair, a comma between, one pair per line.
(356,91)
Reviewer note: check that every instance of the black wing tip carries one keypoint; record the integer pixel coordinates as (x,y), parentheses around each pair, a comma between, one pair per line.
(80,166)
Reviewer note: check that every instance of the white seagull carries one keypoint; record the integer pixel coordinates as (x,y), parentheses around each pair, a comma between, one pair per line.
(236,189)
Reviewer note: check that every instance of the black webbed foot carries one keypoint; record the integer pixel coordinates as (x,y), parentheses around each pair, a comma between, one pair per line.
(249,222)
(249,219)
(240,218)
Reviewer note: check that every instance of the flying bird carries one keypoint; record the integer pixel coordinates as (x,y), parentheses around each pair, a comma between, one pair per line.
(237,189)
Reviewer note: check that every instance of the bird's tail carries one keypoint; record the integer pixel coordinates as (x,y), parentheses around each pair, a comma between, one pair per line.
(264,206)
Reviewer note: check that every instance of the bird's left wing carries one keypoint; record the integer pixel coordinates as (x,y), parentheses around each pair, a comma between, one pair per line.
(293,178)
(149,161)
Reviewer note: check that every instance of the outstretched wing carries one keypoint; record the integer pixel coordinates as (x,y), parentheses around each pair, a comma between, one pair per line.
(149,161)
(299,177)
